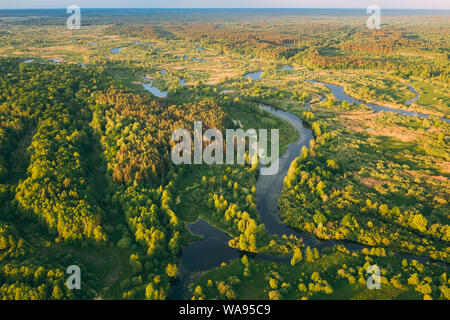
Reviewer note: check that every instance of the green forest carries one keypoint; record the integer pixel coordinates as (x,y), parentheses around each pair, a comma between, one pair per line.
(87,179)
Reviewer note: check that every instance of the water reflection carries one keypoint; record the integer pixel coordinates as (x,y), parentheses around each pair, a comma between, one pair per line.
(417,97)
(117,50)
(338,92)
(155,91)
(254,75)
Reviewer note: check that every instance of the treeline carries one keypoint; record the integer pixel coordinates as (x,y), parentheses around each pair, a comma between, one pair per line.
(10,244)
(327,46)
(32,282)
(74,113)
(135,133)
(146,31)
(402,67)
(334,191)
(56,189)
(229,38)
(51,100)
(334,274)
(139,129)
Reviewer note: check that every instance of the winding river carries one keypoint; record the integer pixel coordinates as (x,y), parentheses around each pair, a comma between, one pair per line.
(254,75)
(117,50)
(155,91)
(209,252)
(338,92)
(417,97)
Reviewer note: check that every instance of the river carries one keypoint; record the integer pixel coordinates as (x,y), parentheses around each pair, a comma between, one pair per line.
(213,249)
(155,91)
(254,75)
(209,252)
(338,92)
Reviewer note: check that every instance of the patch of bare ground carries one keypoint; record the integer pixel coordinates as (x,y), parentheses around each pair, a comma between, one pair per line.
(442,166)
(395,132)
(316,98)
(445,166)
(69,48)
(220,76)
(228,91)
(357,120)
(357,115)
(418,174)
(361,121)
(371,182)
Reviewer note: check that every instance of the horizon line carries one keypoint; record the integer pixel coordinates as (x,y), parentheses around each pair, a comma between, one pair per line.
(214,8)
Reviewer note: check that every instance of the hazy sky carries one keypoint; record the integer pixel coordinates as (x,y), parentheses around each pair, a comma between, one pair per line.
(387,4)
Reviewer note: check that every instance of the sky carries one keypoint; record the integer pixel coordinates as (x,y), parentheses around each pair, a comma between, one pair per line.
(383,4)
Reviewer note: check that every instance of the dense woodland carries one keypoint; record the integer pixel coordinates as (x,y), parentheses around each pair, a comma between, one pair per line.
(329,47)
(335,274)
(346,189)
(74,113)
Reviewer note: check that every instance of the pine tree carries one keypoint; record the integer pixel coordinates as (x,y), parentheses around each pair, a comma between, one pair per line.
(309,255)
(297,257)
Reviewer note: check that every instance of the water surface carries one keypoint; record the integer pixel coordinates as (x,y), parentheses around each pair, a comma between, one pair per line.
(417,97)
(254,75)
(338,92)
(155,91)
(213,249)
(117,50)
